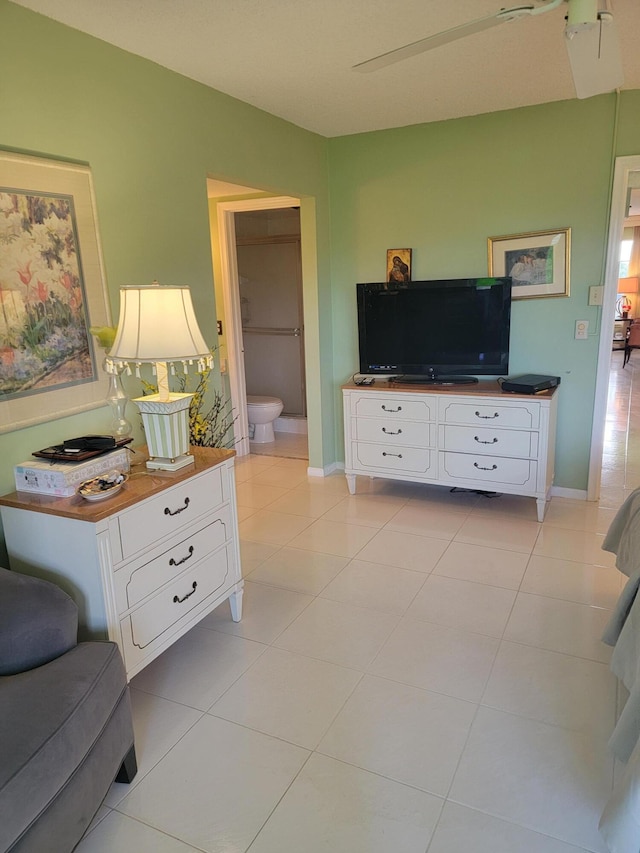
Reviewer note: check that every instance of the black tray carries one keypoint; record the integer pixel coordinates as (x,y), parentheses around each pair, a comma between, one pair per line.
(57,453)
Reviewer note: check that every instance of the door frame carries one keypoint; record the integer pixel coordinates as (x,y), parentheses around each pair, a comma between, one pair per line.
(623,167)
(232,314)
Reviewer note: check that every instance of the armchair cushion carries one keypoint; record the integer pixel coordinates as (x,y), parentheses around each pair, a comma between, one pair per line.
(38,622)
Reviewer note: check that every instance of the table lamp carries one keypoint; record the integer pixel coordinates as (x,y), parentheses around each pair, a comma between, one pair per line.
(158,326)
(625,286)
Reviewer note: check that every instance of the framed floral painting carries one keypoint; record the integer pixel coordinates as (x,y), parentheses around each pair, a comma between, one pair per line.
(52,288)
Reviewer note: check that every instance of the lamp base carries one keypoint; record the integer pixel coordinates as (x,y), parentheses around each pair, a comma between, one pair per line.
(166,427)
(160,463)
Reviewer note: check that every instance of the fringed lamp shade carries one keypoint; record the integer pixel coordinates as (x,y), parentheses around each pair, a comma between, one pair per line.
(158,326)
(628,285)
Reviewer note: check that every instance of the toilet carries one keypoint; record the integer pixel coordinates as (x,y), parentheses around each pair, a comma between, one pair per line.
(262,412)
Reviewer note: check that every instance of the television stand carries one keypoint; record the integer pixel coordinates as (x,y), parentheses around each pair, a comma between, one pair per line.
(430,380)
(472,438)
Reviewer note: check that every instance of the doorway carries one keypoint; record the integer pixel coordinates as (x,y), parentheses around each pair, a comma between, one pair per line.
(270,287)
(269,265)
(244,280)
(627,169)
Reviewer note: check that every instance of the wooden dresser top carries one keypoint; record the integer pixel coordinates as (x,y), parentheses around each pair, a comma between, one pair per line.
(142,483)
(482,388)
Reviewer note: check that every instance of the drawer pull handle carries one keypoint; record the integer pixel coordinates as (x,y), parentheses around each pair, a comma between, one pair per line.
(480,441)
(177,600)
(173,562)
(399,455)
(384,409)
(167,511)
(487,417)
(391,432)
(480,468)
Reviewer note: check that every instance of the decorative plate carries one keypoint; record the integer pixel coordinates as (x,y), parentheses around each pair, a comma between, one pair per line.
(102,487)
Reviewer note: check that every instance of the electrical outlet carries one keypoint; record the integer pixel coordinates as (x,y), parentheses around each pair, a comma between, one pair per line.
(582,330)
(596,292)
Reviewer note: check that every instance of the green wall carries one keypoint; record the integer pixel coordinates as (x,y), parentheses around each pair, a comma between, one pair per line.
(151,138)
(444,188)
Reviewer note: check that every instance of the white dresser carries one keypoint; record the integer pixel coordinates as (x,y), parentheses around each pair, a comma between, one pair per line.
(473,437)
(143,566)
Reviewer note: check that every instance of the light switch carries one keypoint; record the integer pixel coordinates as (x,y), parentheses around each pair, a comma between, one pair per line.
(595,294)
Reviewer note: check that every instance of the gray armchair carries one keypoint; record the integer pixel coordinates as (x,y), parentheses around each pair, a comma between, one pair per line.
(65,719)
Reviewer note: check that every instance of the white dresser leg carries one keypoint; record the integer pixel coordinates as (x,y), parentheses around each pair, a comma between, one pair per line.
(235,603)
(541,506)
(351,483)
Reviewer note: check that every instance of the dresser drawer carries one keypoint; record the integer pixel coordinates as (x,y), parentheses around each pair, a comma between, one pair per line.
(505,442)
(133,584)
(401,460)
(394,432)
(495,470)
(391,406)
(165,514)
(522,415)
(177,600)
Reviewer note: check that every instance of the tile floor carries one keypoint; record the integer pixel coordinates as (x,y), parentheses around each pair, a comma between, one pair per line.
(415,671)
(288,444)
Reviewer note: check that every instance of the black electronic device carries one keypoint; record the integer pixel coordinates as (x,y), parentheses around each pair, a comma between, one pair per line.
(530,383)
(441,332)
(90,442)
(82,448)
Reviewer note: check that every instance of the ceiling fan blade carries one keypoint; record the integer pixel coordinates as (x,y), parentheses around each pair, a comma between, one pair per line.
(444,37)
(594,56)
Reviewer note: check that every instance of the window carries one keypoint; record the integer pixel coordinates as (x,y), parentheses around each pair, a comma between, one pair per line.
(625,257)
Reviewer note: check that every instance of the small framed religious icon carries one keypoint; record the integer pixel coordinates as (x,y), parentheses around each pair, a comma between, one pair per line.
(398,265)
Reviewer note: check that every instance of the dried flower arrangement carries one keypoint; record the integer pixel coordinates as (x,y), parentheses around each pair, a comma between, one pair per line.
(210,423)
(212,426)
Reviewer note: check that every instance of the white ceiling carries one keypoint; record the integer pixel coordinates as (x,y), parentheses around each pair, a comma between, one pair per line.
(293,58)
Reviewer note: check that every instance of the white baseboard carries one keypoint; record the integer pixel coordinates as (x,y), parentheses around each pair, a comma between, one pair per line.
(324,472)
(297,425)
(574,494)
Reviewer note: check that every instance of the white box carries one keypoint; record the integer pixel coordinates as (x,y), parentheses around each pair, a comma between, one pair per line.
(63,478)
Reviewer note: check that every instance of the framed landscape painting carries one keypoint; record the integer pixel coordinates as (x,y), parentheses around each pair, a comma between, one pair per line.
(52,289)
(538,262)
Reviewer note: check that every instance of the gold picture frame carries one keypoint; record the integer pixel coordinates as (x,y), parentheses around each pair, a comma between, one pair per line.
(537,262)
(52,288)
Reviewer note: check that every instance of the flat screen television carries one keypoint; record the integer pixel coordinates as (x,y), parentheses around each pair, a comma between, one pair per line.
(438,332)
